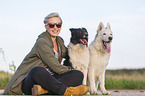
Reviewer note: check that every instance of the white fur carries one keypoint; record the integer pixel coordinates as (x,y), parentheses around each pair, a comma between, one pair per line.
(98,60)
(79,57)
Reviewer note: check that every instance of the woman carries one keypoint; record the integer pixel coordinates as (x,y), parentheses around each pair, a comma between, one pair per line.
(41,71)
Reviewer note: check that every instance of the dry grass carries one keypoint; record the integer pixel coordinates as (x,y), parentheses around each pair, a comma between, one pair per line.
(4,79)
(125,79)
(132,74)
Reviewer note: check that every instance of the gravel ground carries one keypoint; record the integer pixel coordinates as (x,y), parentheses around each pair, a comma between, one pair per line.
(119,93)
(1,91)
(125,93)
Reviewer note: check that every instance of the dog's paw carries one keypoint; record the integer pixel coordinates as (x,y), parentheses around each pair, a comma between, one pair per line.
(94,93)
(106,93)
(88,93)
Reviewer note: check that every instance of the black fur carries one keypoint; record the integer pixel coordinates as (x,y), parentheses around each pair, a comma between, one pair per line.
(67,61)
(76,35)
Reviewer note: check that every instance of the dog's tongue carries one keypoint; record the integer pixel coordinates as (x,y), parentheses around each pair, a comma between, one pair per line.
(84,41)
(108,49)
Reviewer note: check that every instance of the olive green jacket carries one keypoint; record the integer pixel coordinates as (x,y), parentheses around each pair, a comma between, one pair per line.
(42,54)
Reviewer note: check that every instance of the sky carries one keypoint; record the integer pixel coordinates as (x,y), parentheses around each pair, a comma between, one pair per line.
(21,21)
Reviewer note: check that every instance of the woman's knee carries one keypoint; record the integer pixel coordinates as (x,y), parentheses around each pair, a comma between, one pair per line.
(36,71)
(78,74)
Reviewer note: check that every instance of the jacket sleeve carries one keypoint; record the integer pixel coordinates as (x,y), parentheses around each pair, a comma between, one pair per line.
(46,54)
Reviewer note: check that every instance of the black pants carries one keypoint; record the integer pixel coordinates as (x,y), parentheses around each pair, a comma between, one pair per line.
(55,84)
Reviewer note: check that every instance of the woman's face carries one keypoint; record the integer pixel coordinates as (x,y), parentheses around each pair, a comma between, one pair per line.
(53,26)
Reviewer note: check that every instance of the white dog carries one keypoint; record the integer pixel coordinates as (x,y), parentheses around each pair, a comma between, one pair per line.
(99,56)
(78,51)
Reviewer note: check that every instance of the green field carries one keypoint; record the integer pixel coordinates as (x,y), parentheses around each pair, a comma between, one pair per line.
(115,79)
(4,79)
(125,79)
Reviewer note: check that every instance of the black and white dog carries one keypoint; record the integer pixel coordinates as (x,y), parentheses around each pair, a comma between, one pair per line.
(78,51)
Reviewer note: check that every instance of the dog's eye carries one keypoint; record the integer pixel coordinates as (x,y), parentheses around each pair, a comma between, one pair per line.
(104,33)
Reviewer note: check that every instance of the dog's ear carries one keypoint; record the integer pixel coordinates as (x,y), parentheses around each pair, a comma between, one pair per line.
(84,29)
(100,27)
(71,29)
(74,31)
(108,26)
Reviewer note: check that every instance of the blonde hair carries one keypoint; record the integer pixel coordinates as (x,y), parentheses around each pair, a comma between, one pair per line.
(50,16)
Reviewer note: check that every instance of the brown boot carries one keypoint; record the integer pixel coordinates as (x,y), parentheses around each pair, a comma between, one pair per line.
(37,90)
(79,90)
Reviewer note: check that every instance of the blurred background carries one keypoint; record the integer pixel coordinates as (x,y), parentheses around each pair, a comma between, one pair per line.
(21,21)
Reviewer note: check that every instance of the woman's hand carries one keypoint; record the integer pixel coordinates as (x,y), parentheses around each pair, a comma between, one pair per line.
(76,68)
(80,69)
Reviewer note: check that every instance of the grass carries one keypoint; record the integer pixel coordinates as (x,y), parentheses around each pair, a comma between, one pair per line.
(124,84)
(125,79)
(4,82)
(115,79)
(116,91)
(4,79)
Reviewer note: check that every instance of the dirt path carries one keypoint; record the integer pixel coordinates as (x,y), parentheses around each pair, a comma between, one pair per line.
(1,91)
(120,93)
(125,93)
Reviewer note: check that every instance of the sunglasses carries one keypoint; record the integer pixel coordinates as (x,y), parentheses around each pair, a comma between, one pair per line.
(58,25)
